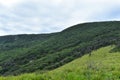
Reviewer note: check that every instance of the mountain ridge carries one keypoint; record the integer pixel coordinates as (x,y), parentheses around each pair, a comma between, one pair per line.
(46,52)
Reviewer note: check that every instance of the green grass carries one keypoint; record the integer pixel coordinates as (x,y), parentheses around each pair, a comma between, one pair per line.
(100,65)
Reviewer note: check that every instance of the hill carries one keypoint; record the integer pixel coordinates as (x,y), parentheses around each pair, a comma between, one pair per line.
(29,53)
(100,65)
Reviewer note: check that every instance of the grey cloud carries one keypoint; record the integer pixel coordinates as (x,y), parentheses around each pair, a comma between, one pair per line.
(44,16)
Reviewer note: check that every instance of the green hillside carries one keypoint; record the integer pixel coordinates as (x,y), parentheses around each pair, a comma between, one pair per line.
(102,64)
(43,52)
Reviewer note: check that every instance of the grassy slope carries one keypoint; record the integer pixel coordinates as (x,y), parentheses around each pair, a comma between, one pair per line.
(101,65)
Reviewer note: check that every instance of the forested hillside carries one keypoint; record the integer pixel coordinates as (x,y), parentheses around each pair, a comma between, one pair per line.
(30,53)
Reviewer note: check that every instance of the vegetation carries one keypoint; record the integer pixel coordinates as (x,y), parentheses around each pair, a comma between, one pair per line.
(100,65)
(29,53)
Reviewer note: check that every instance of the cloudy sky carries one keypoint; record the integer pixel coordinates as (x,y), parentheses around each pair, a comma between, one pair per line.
(46,16)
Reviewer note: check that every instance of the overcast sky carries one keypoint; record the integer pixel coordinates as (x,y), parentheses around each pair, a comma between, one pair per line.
(46,16)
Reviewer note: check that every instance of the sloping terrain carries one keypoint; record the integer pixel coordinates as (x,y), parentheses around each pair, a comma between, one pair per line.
(102,64)
(29,53)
